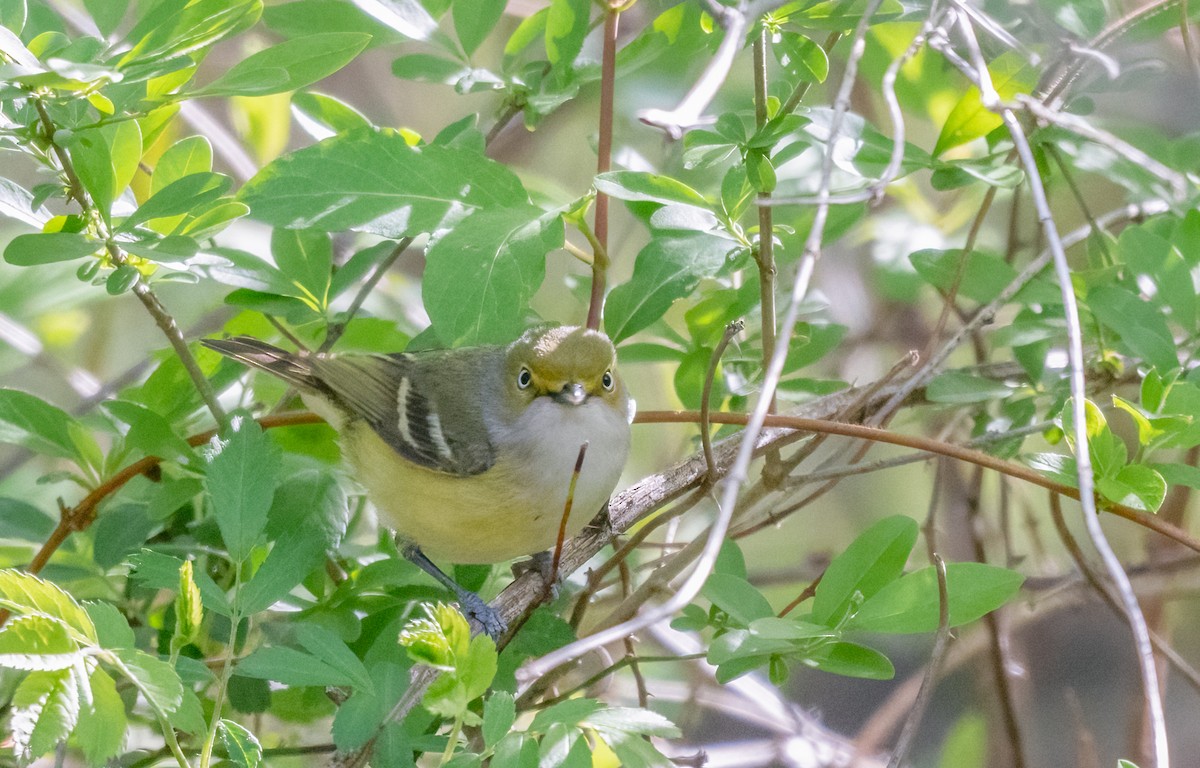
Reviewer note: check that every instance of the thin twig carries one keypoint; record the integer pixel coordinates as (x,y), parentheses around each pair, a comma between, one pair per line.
(731,330)
(916,714)
(608,80)
(977,71)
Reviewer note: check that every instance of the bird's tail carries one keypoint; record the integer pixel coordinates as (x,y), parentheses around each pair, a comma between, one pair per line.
(295,369)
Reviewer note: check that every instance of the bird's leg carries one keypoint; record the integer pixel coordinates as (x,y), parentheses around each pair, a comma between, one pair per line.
(472,604)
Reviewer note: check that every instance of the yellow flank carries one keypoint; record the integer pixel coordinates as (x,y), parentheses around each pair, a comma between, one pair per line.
(515,507)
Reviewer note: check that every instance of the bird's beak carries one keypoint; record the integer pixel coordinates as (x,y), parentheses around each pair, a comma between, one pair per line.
(572,394)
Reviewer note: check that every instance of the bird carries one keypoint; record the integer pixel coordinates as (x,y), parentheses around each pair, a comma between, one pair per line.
(468,453)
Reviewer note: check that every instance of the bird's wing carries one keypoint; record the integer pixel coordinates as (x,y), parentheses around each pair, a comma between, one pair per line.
(390,393)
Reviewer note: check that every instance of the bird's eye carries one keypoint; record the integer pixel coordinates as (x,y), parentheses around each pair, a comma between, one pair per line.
(607,380)
(524,378)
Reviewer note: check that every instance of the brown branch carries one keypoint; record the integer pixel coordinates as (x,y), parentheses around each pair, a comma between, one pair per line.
(608,80)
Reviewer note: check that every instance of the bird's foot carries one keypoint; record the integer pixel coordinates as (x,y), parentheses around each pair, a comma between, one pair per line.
(479,612)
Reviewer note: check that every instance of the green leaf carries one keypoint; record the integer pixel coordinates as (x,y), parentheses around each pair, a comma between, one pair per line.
(1142,326)
(335,114)
(329,648)
(499,714)
(288,66)
(48,248)
(174,248)
(649,187)
(569,712)
(31,422)
(1134,485)
(970,119)
(155,679)
(181,196)
(736,597)
(23,521)
(12,17)
(241,482)
(959,388)
(474,21)
(122,279)
(408,190)
(874,559)
(910,604)
(186,157)
(112,628)
(292,667)
(428,68)
(802,57)
(105,159)
(45,709)
(159,571)
(566,27)
(394,748)
(966,743)
(853,660)
(150,432)
(102,723)
(984,275)
(22,593)
(504,253)
(667,269)
(631,720)
(293,557)
(37,642)
(241,746)
(305,257)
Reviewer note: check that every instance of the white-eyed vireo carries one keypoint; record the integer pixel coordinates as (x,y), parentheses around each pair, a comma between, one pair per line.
(468,453)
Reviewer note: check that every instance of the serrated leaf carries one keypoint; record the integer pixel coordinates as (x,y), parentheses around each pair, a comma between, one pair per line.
(102,722)
(37,642)
(241,746)
(160,571)
(150,432)
(154,678)
(329,648)
(112,628)
(910,604)
(874,559)
(499,714)
(22,593)
(241,483)
(632,720)
(45,709)
(292,667)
